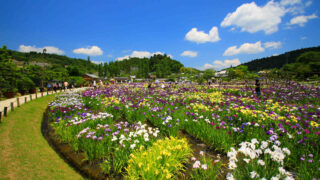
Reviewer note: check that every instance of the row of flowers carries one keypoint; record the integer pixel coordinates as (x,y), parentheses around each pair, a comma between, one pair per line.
(224,118)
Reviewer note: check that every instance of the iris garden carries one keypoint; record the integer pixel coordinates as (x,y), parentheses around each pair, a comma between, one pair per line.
(140,132)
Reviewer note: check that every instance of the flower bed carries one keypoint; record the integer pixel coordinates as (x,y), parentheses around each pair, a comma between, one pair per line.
(109,125)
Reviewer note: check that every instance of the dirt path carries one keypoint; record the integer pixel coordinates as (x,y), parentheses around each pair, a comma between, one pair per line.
(24,153)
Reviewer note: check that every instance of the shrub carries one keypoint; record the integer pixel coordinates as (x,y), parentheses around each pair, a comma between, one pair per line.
(163,160)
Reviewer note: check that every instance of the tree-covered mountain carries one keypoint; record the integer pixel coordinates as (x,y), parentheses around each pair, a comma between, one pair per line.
(158,64)
(278,61)
(83,66)
(24,71)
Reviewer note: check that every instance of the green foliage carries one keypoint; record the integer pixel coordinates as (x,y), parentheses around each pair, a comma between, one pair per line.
(189,70)
(8,72)
(163,160)
(231,73)
(307,65)
(100,70)
(75,70)
(308,57)
(83,66)
(240,72)
(280,60)
(161,65)
(205,168)
(76,80)
(208,73)
(28,76)
(25,83)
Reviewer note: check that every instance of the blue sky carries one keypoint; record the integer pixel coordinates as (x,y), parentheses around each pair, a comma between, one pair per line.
(200,34)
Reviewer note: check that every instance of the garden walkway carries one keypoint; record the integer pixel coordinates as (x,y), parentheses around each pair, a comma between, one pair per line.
(24,99)
(24,152)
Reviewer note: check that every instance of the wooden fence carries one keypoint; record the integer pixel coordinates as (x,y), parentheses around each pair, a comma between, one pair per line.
(10,104)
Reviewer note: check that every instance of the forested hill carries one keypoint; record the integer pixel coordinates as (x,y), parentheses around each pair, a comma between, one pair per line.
(54,60)
(277,61)
(158,64)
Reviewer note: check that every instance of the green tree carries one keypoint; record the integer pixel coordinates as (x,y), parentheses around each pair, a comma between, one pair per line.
(208,73)
(231,73)
(106,70)
(8,72)
(308,57)
(100,70)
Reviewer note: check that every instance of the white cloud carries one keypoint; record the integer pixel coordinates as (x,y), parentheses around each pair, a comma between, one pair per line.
(303,38)
(189,54)
(272,45)
(91,51)
(201,37)
(98,62)
(50,49)
(308,3)
(252,18)
(246,48)
(206,66)
(295,6)
(289,2)
(301,20)
(141,54)
(218,65)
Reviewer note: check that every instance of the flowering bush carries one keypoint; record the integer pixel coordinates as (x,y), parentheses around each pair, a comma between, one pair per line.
(258,158)
(163,160)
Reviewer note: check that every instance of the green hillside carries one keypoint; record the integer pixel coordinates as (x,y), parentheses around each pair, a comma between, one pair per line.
(159,65)
(24,71)
(278,61)
(84,66)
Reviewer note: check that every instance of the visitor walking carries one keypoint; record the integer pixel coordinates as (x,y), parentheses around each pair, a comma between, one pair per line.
(65,85)
(60,86)
(49,87)
(55,87)
(94,84)
(258,90)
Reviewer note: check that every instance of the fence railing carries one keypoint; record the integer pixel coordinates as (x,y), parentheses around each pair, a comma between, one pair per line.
(10,104)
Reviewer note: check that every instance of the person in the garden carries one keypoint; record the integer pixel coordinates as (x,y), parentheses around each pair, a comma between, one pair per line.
(258,89)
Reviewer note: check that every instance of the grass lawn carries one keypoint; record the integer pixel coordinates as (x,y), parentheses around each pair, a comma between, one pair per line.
(24,153)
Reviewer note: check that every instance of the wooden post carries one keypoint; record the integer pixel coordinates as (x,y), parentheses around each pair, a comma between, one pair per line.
(47,92)
(12,106)
(5,110)
(25,99)
(0,116)
(41,94)
(18,102)
(30,97)
(36,95)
